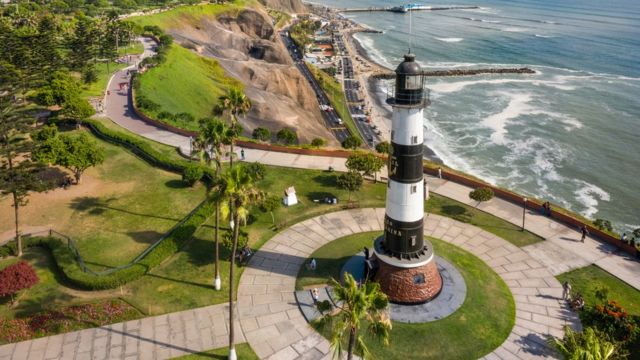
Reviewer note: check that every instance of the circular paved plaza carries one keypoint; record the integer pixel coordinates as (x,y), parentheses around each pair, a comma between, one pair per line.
(275,328)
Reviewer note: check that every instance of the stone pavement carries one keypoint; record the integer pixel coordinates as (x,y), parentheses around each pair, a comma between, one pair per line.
(276,329)
(158,337)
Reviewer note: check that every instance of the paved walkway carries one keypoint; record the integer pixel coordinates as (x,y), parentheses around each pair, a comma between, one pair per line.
(275,328)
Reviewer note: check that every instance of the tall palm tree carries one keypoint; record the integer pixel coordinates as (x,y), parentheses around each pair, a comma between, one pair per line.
(241,192)
(237,104)
(209,145)
(365,302)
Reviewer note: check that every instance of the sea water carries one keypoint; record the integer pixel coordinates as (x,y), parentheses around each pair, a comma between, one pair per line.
(569,134)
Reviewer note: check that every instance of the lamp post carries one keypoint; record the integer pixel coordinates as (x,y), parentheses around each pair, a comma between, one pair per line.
(524,210)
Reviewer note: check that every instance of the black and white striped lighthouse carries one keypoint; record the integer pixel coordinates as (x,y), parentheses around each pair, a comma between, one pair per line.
(407,271)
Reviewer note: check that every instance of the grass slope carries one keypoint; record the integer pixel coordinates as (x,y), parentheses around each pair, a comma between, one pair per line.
(189,15)
(469,333)
(187,83)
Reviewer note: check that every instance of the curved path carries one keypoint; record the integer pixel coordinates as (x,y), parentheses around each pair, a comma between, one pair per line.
(274,327)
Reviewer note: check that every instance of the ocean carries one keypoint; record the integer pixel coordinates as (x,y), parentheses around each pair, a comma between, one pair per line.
(569,134)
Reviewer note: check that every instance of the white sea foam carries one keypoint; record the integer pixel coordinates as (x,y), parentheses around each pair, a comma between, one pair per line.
(518,105)
(514,29)
(450,40)
(544,36)
(590,195)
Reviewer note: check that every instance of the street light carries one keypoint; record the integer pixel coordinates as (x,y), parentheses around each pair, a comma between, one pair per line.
(524,210)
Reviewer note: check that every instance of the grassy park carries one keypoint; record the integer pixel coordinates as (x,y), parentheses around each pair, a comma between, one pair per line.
(244,353)
(192,15)
(166,85)
(470,332)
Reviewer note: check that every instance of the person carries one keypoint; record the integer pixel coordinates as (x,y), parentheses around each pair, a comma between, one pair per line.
(623,237)
(584,232)
(577,303)
(242,154)
(312,264)
(314,295)
(108,92)
(566,290)
(366,253)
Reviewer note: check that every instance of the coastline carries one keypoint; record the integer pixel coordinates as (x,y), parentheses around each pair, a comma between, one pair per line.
(373,89)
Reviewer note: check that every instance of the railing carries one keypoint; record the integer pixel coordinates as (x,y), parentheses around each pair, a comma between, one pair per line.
(422,98)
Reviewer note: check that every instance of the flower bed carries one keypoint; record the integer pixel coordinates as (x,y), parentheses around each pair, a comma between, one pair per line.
(65,319)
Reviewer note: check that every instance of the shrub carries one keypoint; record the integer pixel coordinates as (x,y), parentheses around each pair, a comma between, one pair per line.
(383,147)
(165,115)
(192,174)
(481,194)
(262,134)
(613,320)
(45,97)
(89,74)
(352,142)
(185,117)
(287,136)
(318,142)
(143,103)
(227,239)
(16,277)
(256,170)
(603,224)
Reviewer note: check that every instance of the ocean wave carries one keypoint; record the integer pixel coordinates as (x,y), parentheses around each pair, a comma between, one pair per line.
(513,29)
(450,40)
(544,36)
(518,105)
(589,195)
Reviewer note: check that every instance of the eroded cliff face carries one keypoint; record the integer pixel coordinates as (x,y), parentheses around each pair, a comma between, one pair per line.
(248,48)
(290,6)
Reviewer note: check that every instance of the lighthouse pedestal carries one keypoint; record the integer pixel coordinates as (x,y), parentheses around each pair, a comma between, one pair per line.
(407,281)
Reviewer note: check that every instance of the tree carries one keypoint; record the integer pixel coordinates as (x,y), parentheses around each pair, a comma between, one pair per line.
(262,134)
(236,103)
(77,109)
(270,204)
(76,153)
(241,193)
(383,147)
(351,142)
(17,178)
(366,163)
(213,134)
(363,305)
(350,181)
(287,136)
(589,344)
(256,170)
(16,277)
(481,194)
(192,173)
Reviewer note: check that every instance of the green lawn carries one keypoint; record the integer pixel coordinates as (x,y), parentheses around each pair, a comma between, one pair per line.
(244,353)
(135,48)
(185,83)
(588,279)
(334,92)
(104,72)
(192,15)
(444,206)
(469,333)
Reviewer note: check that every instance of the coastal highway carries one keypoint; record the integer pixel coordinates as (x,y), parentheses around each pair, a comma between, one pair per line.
(332,120)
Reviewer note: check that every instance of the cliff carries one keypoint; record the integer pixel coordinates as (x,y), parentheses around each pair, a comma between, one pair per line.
(290,6)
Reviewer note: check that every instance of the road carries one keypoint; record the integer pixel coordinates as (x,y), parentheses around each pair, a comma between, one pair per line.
(332,120)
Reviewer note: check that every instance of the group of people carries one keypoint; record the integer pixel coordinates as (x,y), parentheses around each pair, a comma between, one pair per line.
(546,209)
(244,254)
(575,302)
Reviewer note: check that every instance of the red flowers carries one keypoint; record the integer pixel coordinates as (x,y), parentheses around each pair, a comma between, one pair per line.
(16,277)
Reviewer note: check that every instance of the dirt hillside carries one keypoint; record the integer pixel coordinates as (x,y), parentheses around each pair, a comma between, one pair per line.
(248,48)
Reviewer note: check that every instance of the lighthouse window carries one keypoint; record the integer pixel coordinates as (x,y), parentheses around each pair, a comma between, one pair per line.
(418,279)
(414,139)
(414,188)
(412,82)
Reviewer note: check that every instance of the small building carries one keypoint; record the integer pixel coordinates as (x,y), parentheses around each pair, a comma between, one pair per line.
(290,197)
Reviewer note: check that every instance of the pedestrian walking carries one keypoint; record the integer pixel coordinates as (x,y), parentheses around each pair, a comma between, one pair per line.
(566,290)
(584,232)
(314,295)
(242,154)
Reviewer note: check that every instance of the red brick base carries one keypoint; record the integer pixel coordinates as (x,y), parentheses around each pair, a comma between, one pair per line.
(403,285)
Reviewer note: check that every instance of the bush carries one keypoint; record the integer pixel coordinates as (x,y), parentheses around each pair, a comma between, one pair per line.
(352,142)
(165,115)
(227,239)
(603,224)
(318,142)
(143,103)
(262,134)
(45,97)
(481,194)
(89,74)
(256,170)
(383,147)
(185,117)
(287,136)
(613,320)
(192,174)
(16,277)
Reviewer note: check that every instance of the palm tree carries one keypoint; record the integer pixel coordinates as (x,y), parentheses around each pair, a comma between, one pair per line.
(365,302)
(587,345)
(209,144)
(237,104)
(241,193)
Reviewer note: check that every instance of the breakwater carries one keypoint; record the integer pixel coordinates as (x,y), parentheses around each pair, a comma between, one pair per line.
(460,72)
(400,9)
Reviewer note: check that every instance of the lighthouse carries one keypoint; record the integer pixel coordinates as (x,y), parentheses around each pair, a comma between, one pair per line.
(406,268)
